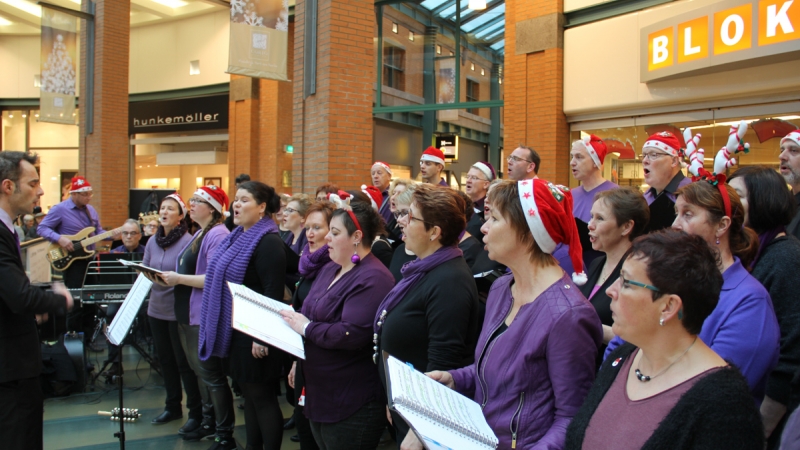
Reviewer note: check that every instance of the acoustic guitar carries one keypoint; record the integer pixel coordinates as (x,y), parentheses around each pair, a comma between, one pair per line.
(61,258)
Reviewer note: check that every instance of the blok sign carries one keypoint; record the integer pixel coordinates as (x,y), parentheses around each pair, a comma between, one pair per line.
(723,36)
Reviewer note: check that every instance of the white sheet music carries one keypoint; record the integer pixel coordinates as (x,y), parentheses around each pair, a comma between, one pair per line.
(122,322)
(259,317)
(442,417)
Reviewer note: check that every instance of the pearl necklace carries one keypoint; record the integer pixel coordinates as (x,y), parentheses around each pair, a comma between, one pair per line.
(645,378)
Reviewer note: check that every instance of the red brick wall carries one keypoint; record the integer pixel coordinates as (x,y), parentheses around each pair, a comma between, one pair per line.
(104,154)
(534,115)
(332,130)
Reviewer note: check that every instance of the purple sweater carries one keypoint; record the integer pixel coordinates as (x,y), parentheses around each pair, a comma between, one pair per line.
(534,377)
(204,254)
(162,301)
(339,372)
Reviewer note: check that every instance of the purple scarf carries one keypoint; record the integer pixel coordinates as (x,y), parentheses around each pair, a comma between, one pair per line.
(763,240)
(310,263)
(229,264)
(413,272)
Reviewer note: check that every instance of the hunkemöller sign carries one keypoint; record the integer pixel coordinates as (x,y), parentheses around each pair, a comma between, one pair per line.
(723,36)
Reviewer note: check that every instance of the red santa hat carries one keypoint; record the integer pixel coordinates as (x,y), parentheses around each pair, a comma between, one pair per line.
(793,137)
(79,184)
(595,147)
(374,194)
(175,196)
(664,141)
(433,154)
(383,166)
(214,196)
(548,210)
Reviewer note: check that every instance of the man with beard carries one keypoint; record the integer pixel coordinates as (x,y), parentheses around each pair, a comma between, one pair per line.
(790,169)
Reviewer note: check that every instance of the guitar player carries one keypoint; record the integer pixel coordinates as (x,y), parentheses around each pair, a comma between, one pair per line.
(68,218)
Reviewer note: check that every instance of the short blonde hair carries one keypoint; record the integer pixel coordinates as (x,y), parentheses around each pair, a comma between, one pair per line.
(400,182)
(303,202)
(406,196)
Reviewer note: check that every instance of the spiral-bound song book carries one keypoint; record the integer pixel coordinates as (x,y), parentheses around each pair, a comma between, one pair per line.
(441,417)
(259,317)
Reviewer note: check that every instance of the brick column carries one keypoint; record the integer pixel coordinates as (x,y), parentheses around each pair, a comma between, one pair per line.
(104,154)
(534,73)
(332,129)
(260,125)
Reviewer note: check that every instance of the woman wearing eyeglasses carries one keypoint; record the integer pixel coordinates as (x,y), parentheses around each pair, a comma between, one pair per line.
(402,255)
(293,220)
(206,208)
(666,388)
(430,318)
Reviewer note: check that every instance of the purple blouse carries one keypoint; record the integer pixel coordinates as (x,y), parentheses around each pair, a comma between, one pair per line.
(339,372)
(162,300)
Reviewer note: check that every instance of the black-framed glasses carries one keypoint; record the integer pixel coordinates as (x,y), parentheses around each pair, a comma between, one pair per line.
(288,210)
(516,159)
(400,213)
(197,200)
(629,283)
(411,217)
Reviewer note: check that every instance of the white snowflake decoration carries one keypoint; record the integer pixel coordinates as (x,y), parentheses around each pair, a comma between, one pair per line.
(244,11)
(58,75)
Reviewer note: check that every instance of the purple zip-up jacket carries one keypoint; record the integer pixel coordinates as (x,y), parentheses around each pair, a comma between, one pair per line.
(533,378)
(204,254)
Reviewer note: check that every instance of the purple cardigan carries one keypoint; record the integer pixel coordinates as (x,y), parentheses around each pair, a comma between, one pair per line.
(534,377)
(204,254)
(162,300)
(339,372)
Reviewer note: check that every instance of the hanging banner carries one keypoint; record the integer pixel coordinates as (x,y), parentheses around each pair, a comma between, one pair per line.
(259,38)
(446,87)
(59,76)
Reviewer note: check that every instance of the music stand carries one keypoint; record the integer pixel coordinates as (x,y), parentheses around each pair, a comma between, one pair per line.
(107,271)
(120,327)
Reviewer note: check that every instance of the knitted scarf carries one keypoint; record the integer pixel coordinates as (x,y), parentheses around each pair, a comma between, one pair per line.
(413,272)
(173,236)
(229,264)
(763,240)
(310,263)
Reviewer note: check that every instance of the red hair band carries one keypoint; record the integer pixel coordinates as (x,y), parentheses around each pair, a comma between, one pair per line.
(355,221)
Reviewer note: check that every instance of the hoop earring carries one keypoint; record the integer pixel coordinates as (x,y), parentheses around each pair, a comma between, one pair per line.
(355,259)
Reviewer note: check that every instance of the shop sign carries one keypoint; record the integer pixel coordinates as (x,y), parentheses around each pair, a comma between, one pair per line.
(448,144)
(723,36)
(183,114)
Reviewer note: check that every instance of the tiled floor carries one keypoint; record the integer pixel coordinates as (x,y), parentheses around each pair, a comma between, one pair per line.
(72,422)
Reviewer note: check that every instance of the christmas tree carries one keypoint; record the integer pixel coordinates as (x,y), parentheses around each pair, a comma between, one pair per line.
(58,75)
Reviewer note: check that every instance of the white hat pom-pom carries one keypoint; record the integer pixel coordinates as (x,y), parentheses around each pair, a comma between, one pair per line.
(579,278)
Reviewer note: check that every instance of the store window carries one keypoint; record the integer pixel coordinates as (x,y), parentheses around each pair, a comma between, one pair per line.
(623,164)
(393,67)
(473,94)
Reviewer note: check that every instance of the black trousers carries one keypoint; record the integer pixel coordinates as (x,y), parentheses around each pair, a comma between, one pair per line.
(175,368)
(21,414)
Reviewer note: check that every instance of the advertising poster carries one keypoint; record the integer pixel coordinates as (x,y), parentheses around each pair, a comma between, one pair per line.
(58,72)
(259,38)
(446,88)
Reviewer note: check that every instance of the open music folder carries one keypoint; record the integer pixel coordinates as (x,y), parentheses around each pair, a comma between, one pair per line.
(441,417)
(259,316)
(140,267)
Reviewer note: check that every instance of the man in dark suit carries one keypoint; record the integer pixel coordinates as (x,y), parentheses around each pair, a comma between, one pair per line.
(22,306)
